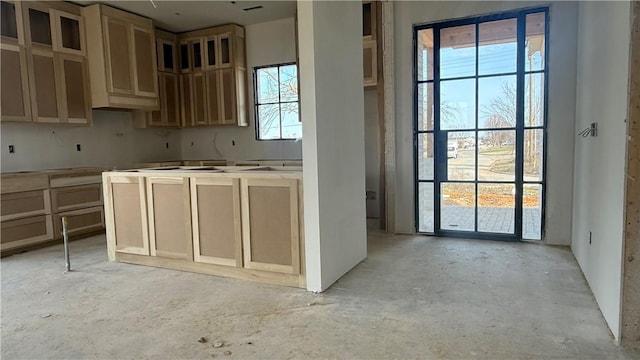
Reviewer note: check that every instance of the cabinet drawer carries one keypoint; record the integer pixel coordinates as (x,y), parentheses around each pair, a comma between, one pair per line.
(76,197)
(79,221)
(23,232)
(12,183)
(84,179)
(25,204)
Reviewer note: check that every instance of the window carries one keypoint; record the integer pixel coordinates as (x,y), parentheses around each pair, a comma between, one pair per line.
(276,102)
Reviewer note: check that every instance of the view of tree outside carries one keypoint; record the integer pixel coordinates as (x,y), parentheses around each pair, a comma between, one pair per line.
(277,107)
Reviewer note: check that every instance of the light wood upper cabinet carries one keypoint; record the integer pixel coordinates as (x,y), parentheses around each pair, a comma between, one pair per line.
(11,28)
(370,63)
(121,50)
(185,57)
(15,101)
(186,100)
(369,9)
(169,114)
(68,31)
(213,98)
(44,77)
(224,80)
(74,88)
(227,90)
(144,71)
(167,51)
(218,51)
(199,99)
(44,67)
(369,43)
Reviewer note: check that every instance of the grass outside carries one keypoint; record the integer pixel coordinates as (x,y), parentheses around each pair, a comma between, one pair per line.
(488,196)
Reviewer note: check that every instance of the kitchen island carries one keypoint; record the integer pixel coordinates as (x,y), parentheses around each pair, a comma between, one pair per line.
(240,222)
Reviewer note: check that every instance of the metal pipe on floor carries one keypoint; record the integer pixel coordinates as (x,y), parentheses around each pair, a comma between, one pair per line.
(65,237)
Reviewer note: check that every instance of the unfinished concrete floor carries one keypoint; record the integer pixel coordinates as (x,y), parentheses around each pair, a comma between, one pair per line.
(413,297)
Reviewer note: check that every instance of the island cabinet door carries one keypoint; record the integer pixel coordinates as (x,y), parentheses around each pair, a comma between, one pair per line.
(270,231)
(125,215)
(216,219)
(169,212)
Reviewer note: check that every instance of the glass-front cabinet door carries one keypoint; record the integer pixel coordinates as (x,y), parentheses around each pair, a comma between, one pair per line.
(69,33)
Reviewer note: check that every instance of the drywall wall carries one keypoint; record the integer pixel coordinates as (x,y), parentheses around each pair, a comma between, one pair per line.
(561,105)
(372,150)
(630,325)
(268,43)
(110,142)
(332,103)
(604,29)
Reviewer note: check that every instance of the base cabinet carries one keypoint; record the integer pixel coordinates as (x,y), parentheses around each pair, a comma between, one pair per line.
(241,225)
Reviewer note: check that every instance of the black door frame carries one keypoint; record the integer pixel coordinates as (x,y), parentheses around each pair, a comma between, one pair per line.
(440,157)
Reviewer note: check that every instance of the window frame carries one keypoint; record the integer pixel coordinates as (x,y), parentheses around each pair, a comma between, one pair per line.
(257,104)
(520,127)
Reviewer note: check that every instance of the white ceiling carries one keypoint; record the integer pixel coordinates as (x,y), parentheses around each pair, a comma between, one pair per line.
(180,16)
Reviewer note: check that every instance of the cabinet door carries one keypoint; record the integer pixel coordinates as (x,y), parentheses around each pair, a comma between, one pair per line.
(44,86)
(38,19)
(199,99)
(227,91)
(185,57)
(145,78)
(11,23)
(15,100)
(270,228)
(226,51)
(119,56)
(74,87)
(213,97)
(68,33)
(197,55)
(171,107)
(368,20)
(125,208)
(211,55)
(215,209)
(369,63)
(170,217)
(154,118)
(166,53)
(186,100)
